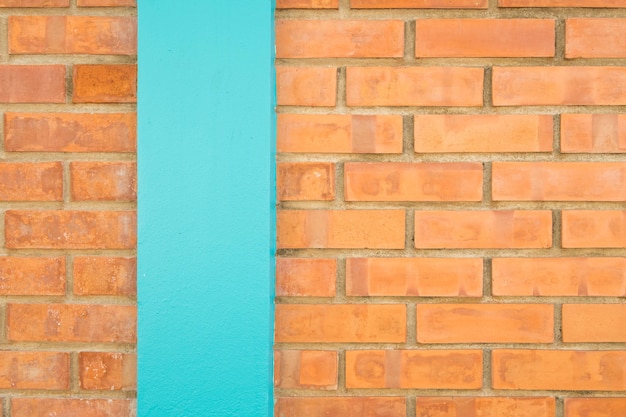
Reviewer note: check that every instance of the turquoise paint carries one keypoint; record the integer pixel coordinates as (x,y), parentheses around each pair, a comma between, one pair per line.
(206,216)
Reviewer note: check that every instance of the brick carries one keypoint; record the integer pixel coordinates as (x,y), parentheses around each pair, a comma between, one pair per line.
(105,84)
(401,181)
(571,370)
(107,371)
(341,229)
(24,181)
(414,86)
(602,277)
(595,38)
(562,3)
(340,406)
(102,35)
(594,228)
(34,370)
(485,406)
(598,323)
(360,323)
(418,4)
(34,3)
(70,132)
(71,323)
(32,276)
(306,86)
(301,181)
(462,38)
(32,83)
(339,38)
(485,323)
(101,275)
(68,407)
(307,4)
(595,407)
(71,229)
(107,3)
(305,277)
(483,229)
(414,277)
(567,86)
(339,133)
(415,369)
(593,133)
(483,133)
(103,181)
(559,181)
(302,369)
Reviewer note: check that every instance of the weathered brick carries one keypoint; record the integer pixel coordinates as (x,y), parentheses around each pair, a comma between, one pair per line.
(301,369)
(594,228)
(595,407)
(32,276)
(24,181)
(305,277)
(305,181)
(32,83)
(307,4)
(107,371)
(106,3)
(562,3)
(418,4)
(34,370)
(101,275)
(105,83)
(103,181)
(306,86)
(598,323)
(485,406)
(594,133)
(340,406)
(34,3)
(69,407)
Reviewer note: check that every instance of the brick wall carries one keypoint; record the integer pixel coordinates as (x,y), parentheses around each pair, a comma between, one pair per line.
(451,227)
(67,192)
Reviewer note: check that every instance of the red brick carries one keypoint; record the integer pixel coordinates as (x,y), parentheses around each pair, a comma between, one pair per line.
(71,323)
(100,275)
(595,38)
(415,369)
(107,371)
(483,229)
(71,229)
(34,370)
(306,86)
(339,133)
(559,277)
(32,83)
(401,181)
(68,407)
(419,4)
(105,84)
(414,86)
(307,4)
(360,323)
(483,133)
(594,229)
(595,407)
(305,181)
(107,3)
(110,35)
(339,38)
(599,323)
(562,3)
(340,406)
(423,277)
(24,181)
(70,132)
(484,38)
(103,181)
(594,133)
(485,406)
(34,3)
(537,86)
(312,369)
(305,277)
(32,276)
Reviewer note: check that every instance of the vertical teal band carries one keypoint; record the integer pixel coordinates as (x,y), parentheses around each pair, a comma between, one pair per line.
(206,216)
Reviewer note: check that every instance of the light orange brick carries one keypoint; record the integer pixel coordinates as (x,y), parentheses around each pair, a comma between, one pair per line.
(107,371)
(594,228)
(69,407)
(595,38)
(32,83)
(593,133)
(485,406)
(307,4)
(25,181)
(32,276)
(103,181)
(301,181)
(101,275)
(562,3)
(106,3)
(305,369)
(34,3)
(596,323)
(105,83)
(34,370)
(418,4)
(306,86)
(305,277)
(340,406)
(595,407)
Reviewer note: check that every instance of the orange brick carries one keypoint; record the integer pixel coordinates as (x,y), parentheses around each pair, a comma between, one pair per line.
(360,323)
(103,181)
(34,3)
(305,277)
(302,86)
(68,407)
(416,369)
(305,181)
(598,323)
(559,277)
(559,181)
(484,38)
(105,84)
(594,228)
(104,35)
(34,370)
(339,38)
(307,4)
(594,133)
(32,83)
(340,406)
(70,132)
(32,276)
(485,323)
(485,406)
(595,38)
(401,181)
(483,133)
(483,229)
(537,86)
(418,4)
(313,369)
(342,229)
(571,370)
(595,407)
(71,323)
(100,275)
(107,371)
(71,229)
(42,181)
(422,277)
(414,86)
(107,3)
(339,133)
(562,3)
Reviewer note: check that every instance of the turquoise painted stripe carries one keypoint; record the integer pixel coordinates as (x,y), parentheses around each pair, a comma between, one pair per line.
(206,212)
